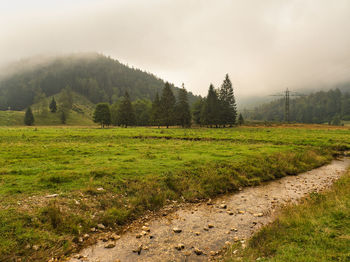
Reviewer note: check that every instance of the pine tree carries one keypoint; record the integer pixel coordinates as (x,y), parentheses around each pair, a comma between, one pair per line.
(29,117)
(63,117)
(196,111)
(167,103)
(210,114)
(240,120)
(53,105)
(126,114)
(102,114)
(228,109)
(156,111)
(183,113)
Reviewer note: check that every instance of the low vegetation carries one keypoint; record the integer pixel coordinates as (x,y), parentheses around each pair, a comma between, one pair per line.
(317,230)
(113,176)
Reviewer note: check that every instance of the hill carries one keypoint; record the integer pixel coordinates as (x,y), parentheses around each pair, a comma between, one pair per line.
(94,76)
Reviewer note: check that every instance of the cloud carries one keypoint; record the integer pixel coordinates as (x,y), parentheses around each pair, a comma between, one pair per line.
(265,46)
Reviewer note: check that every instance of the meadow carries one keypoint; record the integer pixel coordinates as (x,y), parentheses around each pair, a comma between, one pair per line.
(112,176)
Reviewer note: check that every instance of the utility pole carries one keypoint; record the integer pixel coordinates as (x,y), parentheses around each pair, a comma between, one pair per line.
(286,95)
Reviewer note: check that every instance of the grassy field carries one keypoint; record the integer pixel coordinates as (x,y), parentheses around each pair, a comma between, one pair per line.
(317,230)
(114,175)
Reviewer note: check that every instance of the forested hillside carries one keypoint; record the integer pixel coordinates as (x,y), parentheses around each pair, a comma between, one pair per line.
(320,107)
(97,77)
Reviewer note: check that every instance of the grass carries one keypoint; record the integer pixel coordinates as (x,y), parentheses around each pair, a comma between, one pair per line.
(139,169)
(317,230)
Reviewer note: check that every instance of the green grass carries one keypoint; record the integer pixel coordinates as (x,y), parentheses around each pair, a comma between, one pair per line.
(317,230)
(139,169)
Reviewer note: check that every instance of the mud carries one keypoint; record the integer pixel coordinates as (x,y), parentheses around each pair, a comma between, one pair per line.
(206,227)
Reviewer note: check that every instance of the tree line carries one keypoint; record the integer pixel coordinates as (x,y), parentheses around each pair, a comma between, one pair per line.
(217,109)
(320,107)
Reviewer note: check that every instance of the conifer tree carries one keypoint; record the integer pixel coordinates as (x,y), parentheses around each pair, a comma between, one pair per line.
(29,117)
(126,114)
(167,105)
(211,112)
(53,105)
(156,111)
(183,113)
(102,114)
(196,110)
(228,111)
(240,120)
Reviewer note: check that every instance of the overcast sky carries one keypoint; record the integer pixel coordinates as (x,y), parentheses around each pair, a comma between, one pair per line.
(264,45)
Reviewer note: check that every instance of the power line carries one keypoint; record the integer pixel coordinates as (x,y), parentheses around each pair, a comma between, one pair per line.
(286,95)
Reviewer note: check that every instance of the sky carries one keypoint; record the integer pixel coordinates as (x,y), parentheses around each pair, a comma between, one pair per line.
(264,45)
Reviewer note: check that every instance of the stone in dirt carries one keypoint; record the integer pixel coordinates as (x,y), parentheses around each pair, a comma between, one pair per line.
(177,230)
(227,243)
(145,228)
(180,246)
(138,235)
(210,225)
(138,249)
(36,247)
(236,239)
(234,229)
(101,226)
(198,252)
(110,245)
(197,233)
(230,213)
(258,215)
(51,196)
(223,206)
(241,212)
(114,236)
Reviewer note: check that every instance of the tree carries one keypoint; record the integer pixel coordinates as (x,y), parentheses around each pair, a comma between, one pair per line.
(126,114)
(142,109)
(182,109)
(240,120)
(210,114)
(196,110)
(167,105)
(228,109)
(156,111)
(102,114)
(29,117)
(63,117)
(53,105)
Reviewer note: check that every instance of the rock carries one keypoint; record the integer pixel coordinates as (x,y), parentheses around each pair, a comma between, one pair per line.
(236,239)
(212,253)
(86,236)
(36,247)
(100,189)
(227,243)
(143,233)
(52,196)
(223,206)
(147,229)
(177,230)
(198,252)
(92,229)
(206,229)
(146,225)
(101,226)
(145,248)
(210,225)
(28,246)
(230,213)
(138,235)
(197,233)
(114,236)
(209,203)
(180,246)
(234,229)
(110,245)
(138,249)
(241,212)
(81,240)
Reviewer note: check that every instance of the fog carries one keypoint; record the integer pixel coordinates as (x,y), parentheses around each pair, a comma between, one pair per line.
(265,46)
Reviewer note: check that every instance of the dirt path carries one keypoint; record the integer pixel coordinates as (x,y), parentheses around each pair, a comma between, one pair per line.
(206,227)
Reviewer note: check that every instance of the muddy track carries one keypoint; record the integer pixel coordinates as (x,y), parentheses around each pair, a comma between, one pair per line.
(206,227)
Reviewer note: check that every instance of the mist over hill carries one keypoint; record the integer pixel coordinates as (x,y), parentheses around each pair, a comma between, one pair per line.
(95,76)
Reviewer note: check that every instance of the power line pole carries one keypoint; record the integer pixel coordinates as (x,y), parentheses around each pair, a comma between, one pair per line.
(286,95)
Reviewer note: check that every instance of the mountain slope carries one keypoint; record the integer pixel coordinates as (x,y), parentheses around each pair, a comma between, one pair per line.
(97,77)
